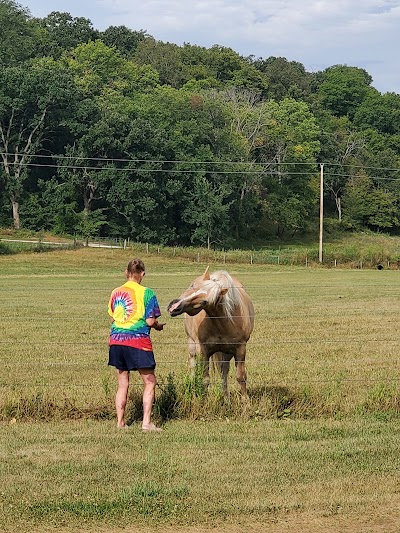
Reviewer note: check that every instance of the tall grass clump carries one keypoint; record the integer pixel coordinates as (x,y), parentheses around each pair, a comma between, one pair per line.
(187,398)
(6,249)
(382,398)
(167,405)
(41,405)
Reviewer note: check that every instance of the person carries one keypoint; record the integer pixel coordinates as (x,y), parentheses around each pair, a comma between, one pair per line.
(133,311)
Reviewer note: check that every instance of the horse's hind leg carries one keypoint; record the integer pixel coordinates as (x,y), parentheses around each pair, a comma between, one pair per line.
(224,372)
(221,363)
(241,376)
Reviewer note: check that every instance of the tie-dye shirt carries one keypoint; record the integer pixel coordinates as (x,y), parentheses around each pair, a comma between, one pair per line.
(129,306)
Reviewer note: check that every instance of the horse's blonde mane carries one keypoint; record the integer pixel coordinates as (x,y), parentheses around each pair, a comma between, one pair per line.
(234,298)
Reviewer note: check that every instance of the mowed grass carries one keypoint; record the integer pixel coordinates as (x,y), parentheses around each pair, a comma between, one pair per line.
(86,475)
(319,436)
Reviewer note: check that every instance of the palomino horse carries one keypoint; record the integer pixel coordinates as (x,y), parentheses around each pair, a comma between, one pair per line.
(219,320)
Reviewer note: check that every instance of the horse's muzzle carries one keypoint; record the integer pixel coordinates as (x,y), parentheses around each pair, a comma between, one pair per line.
(174,309)
(177,307)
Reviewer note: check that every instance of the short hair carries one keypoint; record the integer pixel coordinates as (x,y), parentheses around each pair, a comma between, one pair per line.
(135,266)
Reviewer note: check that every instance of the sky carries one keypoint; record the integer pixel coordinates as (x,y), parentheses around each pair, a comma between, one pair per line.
(316,33)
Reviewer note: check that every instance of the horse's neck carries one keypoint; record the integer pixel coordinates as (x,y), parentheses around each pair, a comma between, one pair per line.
(241,316)
(218,311)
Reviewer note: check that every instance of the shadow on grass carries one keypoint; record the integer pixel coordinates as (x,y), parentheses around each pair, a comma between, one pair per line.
(278,399)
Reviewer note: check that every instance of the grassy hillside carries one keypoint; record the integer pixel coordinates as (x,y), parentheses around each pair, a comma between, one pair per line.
(352,250)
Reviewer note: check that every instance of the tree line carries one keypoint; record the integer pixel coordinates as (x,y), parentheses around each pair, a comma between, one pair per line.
(114,133)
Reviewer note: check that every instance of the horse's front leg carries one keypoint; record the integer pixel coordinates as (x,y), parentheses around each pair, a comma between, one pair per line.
(205,361)
(224,368)
(192,356)
(196,351)
(241,376)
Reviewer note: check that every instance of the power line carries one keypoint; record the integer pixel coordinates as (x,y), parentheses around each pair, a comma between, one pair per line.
(195,162)
(160,170)
(128,160)
(139,170)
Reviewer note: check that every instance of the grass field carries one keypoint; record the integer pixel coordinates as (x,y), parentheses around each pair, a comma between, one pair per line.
(317,443)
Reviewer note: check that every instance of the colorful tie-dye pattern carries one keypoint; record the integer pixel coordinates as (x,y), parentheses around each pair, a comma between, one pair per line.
(129,306)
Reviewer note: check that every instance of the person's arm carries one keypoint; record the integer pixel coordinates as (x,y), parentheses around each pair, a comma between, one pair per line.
(154,323)
(153,312)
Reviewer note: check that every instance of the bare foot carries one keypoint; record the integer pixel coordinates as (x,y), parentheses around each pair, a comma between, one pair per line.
(151,427)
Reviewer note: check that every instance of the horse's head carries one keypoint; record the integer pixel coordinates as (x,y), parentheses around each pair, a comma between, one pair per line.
(197,297)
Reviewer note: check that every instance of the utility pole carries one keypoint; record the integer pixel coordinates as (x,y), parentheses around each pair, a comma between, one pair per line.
(321,210)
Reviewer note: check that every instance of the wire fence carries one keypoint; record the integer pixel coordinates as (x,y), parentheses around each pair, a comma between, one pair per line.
(345,371)
(262,342)
(371,365)
(162,383)
(287,256)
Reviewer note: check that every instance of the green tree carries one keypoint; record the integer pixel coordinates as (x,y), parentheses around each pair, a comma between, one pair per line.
(165,58)
(51,207)
(172,136)
(99,69)
(365,205)
(99,128)
(288,215)
(379,111)
(207,211)
(231,69)
(64,32)
(32,101)
(285,79)
(19,34)
(90,223)
(279,141)
(123,39)
(197,64)
(343,148)
(289,153)
(86,175)
(342,89)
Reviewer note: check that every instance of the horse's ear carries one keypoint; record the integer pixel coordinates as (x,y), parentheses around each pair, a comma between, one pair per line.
(206,274)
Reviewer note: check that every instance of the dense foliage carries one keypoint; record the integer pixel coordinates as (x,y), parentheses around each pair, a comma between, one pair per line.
(114,133)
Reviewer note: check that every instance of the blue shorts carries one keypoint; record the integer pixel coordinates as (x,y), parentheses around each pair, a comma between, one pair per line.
(128,358)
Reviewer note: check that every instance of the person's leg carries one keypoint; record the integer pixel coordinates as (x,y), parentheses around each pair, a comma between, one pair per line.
(149,382)
(122,396)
